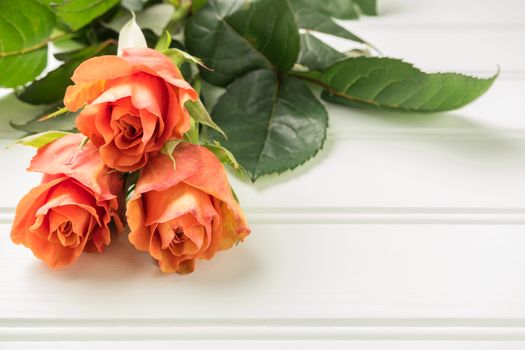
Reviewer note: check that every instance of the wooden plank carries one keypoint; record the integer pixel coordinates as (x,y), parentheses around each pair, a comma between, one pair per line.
(464,49)
(352,274)
(378,172)
(264,345)
(405,233)
(464,12)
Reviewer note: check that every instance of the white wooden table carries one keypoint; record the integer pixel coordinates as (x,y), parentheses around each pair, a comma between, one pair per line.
(407,232)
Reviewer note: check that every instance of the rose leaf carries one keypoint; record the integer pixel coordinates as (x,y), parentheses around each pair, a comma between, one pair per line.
(78,13)
(343,9)
(199,113)
(25,28)
(392,84)
(273,124)
(317,16)
(226,157)
(234,37)
(64,122)
(41,139)
(316,55)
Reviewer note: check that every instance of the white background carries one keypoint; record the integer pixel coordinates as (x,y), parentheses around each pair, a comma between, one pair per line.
(406,232)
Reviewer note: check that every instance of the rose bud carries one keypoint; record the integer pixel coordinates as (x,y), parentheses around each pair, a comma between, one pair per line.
(184,212)
(135,103)
(71,210)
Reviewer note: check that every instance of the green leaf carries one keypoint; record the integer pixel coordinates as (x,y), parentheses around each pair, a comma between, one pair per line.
(25,27)
(78,13)
(178,57)
(234,37)
(51,88)
(272,125)
(130,183)
(196,5)
(226,157)
(168,149)
(182,59)
(343,9)
(192,135)
(199,113)
(69,55)
(309,15)
(368,7)
(65,122)
(164,41)
(317,55)
(41,139)
(393,84)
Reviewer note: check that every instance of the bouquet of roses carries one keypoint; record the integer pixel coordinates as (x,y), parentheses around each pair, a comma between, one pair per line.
(148,154)
(133,160)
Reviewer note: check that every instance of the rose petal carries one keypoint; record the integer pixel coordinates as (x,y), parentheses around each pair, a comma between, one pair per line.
(26,208)
(101,68)
(153,62)
(186,266)
(55,220)
(69,193)
(196,234)
(139,235)
(80,219)
(178,119)
(124,162)
(166,234)
(196,166)
(119,90)
(101,237)
(88,124)
(55,255)
(79,95)
(63,156)
(234,226)
(149,92)
(149,126)
(176,202)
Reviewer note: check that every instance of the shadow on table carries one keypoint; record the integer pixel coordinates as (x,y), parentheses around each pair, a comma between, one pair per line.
(448,132)
(122,263)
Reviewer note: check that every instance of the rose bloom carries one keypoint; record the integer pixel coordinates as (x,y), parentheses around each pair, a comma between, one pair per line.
(70,211)
(184,212)
(135,103)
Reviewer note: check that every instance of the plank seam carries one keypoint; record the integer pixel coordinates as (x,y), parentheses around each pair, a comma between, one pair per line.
(263,332)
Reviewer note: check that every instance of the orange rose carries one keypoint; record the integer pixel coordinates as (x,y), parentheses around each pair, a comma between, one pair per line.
(135,104)
(70,211)
(187,212)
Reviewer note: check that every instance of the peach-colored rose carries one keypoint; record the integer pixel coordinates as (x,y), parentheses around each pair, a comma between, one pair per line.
(70,211)
(135,103)
(187,212)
